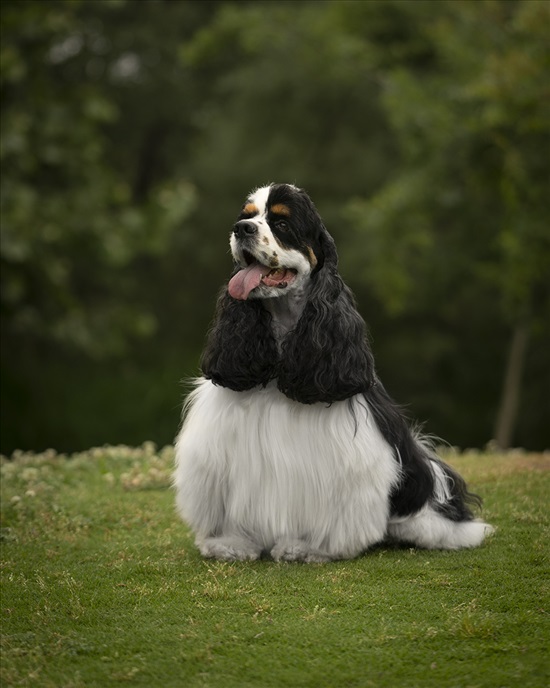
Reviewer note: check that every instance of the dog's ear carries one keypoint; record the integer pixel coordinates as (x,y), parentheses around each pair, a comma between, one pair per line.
(327,357)
(240,351)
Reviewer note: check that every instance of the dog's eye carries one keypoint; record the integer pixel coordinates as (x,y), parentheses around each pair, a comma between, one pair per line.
(282,225)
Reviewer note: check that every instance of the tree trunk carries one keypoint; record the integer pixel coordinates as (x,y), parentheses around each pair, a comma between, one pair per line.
(509,400)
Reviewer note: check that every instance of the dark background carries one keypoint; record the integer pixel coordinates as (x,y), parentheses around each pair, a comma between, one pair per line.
(133,130)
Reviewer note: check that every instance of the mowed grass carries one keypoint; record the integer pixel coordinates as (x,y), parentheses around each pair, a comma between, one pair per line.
(102,586)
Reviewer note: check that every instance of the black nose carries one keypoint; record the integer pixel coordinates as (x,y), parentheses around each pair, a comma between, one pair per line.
(244,227)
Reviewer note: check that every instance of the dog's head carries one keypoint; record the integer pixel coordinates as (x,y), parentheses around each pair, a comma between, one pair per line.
(280,246)
(278,242)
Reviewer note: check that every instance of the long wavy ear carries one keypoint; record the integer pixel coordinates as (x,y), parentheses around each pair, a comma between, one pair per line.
(327,357)
(240,351)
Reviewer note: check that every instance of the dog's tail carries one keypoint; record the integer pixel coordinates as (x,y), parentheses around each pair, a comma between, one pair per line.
(451,496)
(446,521)
(431,505)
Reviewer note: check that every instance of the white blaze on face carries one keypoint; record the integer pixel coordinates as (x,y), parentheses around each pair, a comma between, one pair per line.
(259,199)
(267,247)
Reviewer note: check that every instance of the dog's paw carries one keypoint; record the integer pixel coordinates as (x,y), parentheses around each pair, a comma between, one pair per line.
(229,549)
(298,550)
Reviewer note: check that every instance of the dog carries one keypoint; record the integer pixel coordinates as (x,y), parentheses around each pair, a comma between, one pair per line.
(290,445)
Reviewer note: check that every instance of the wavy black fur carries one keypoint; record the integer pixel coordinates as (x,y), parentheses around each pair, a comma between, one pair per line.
(326,358)
(241,351)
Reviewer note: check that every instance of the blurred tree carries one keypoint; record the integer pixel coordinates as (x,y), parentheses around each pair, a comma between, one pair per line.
(88,217)
(131,130)
(469,209)
(291,96)
(71,229)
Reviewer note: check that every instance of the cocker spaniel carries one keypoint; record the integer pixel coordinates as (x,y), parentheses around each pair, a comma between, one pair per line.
(290,445)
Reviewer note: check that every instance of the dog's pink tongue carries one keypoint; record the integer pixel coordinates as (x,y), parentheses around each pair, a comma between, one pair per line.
(247,279)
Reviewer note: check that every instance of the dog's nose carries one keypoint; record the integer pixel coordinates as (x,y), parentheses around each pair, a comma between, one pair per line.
(244,227)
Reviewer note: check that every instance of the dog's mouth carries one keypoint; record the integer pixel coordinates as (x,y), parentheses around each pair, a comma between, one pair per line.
(256,274)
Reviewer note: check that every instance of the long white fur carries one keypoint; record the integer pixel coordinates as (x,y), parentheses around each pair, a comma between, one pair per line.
(256,471)
(260,467)
(431,530)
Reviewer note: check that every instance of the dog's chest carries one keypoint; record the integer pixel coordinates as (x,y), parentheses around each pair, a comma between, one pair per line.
(286,311)
(282,465)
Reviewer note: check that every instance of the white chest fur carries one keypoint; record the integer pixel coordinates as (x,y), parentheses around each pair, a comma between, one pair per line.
(258,465)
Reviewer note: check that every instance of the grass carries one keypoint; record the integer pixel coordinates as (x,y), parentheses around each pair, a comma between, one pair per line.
(102,586)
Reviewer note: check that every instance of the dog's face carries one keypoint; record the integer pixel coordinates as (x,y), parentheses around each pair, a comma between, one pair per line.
(275,243)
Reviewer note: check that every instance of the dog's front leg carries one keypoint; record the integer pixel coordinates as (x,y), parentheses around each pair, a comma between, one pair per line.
(229,548)
(199,482)
(294,549)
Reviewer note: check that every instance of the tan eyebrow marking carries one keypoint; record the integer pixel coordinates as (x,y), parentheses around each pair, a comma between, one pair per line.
(280,209)
(250,209)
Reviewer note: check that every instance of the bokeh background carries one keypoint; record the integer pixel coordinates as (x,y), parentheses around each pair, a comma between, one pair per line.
(133,129)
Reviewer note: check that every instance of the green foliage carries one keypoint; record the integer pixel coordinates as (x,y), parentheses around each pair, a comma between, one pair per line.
(281,107)
(70,229)
(101,584)
(131,131)
(474,128)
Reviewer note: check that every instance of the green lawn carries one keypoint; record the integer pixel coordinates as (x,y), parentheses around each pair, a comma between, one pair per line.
(101,586)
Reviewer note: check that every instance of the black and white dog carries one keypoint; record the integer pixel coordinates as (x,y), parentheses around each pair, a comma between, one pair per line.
(290,445)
